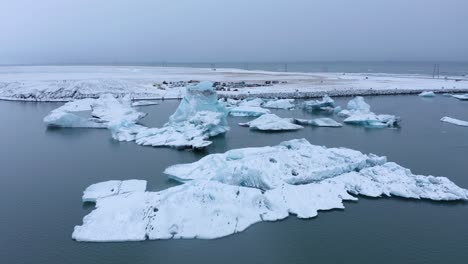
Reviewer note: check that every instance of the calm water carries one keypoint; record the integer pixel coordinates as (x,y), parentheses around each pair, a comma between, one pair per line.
(43,174)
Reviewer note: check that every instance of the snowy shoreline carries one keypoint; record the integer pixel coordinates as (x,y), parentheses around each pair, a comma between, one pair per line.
(66,83)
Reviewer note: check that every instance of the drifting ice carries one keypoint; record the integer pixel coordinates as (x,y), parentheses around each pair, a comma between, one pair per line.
(248,111)
(225,193)
(461,97)
(326,104)
(144,103)
(271,122)
(454,121)
(358,113)
(321,122)
(427,94)
(280,104)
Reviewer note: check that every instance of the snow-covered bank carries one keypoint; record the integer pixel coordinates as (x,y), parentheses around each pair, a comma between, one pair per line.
(65,83)
(223,194)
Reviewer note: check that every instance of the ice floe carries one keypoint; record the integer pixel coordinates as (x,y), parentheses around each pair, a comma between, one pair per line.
(271,122)
(144,103)
(461,96)
(248,111)
(427,94)
(321,122)
(326,104)
(111,188)
(280,104)
(454,121)
(223,194)
(255,102)
(358,113)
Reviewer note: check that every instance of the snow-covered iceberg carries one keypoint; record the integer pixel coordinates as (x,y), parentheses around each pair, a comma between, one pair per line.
(280,104)
(321,122)
(271,122)
(223,194)
(461,96)
(358,113)
(454,121)
(326,104)
(427,94)
(255,102)
(198,117)
(253,111)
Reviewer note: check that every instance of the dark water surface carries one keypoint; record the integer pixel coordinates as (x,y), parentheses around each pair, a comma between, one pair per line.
(43,173)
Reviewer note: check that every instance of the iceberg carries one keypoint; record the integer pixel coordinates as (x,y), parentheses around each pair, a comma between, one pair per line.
(253,111)
(358,113)
(326,104)
(198,117)
(427,94)
(144,103)
(280,104)
(271,122)
(454,121)
(321,122)
(461,97)
(223,194)
(256,102)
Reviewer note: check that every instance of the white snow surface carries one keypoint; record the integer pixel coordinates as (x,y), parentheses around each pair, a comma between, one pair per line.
(66,83)
(110,188)
(223,194)
(271,122)
(320,122)
(454,121)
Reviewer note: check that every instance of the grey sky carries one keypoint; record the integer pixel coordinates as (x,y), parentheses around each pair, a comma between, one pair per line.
(107,31)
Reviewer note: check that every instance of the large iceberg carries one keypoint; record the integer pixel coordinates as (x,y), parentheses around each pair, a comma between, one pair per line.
(358,113)
(454,121)
(320,122)
(223,194)
(198,117)
(271,122)
(280,104)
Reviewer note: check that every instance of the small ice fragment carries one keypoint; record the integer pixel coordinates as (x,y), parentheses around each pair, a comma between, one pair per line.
(271,122)
(326,104)
(461,97)
(280,104)
(427,94)
(321,122)
(454,121)
(144,103)
(248,111)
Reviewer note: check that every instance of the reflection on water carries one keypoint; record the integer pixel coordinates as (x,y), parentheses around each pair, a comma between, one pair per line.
(44,172)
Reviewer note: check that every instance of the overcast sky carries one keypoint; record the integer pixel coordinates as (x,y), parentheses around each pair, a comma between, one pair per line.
(119,31)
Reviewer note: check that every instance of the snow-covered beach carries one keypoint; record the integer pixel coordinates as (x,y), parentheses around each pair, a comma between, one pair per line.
(65,83)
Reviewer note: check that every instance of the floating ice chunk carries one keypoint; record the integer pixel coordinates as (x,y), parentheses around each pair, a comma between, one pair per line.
(294,162)
(325,104)
(110,188)
(272,122)
(322,122)
(256,102)
(110,109)
(454,121)
(358,113)
(427,94)
(358,104)
(461,97)
(144,103)
(280,104)
(248,111)
(208,209)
